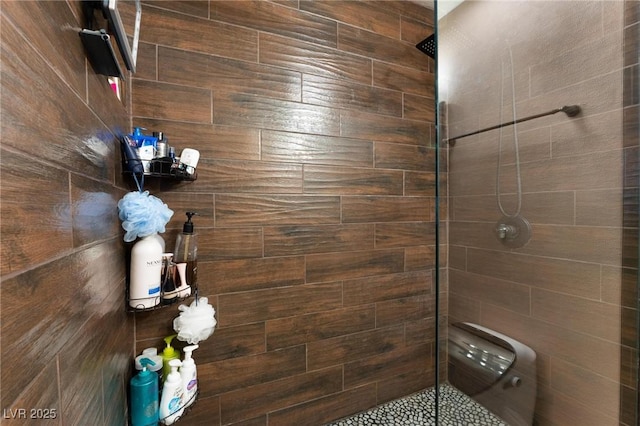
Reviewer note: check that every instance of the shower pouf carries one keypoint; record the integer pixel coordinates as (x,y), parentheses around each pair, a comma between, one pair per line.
(196,322)
(142,215)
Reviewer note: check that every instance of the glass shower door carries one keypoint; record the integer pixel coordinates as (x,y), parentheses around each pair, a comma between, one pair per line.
(539,225)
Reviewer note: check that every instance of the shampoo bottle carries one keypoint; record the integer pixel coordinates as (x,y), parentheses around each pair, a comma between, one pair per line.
(188,373)
(144,396)
(146,269)
(171,404)
(168,354)
(156,366)
(186,251)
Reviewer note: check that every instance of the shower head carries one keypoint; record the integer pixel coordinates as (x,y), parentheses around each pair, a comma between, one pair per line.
(428,46)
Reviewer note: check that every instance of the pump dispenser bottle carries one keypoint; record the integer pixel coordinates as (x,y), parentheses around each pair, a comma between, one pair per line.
(186,251)
(189,375)
(171,404)
(144,396)
(168,354)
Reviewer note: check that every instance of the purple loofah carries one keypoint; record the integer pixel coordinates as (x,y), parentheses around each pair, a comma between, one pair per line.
(142,215)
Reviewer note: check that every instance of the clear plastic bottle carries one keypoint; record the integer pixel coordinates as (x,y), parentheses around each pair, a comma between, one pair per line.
(186,251)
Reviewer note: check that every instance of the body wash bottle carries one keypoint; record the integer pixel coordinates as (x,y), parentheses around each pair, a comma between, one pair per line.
(189,375)
(171,404)
(168,354)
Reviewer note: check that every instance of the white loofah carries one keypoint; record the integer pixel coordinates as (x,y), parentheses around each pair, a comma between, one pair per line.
(196,322)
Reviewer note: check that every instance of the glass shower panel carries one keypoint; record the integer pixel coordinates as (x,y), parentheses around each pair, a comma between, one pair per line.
(540,309)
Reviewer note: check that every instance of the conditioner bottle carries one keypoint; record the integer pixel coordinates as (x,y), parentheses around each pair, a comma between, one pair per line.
(145,272)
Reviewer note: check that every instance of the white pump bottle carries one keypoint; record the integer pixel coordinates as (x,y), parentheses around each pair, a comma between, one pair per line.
(172,402)
(189,375)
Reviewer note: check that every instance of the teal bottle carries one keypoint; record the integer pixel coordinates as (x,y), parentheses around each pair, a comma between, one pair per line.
(144,396)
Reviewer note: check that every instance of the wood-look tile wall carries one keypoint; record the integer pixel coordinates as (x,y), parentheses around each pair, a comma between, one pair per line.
(315,194)
(66,339)
(571,292)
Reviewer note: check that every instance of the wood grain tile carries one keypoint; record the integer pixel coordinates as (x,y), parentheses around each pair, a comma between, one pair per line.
(407,157)
(109,354)
(236,373)
(295,240)
(587,316)
(167,28)
(38,106)
(339,266)
(92,213)
(296,330)
(419,108)
(190,7)
(420,331)
(368,16)
(419,257)
(415,28)
(247,210)
(395,387)
(64,52)
(167,101)
(390,235)
(181,202)
(207,412)
(580,349)
(336,93)
(62,309)
(505,294)
(405,79)
(273,114)
(232,342)
(147,61)
(213,142)
(253,274)
(315,149)
(345,349)
(384,128)
(385,209)
(42,392)
(351,181)
(313,59)
(326,409)
(231,176)
(386,287)
(260,305)
(411,359)
(565,276)
(420,184)
(29,190)
(213,72)
(397,311)
(359,41)
(248,403)
(229,243)
(411,9)
(275,19)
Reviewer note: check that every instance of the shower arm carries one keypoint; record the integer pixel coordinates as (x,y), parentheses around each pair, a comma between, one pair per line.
(570,110)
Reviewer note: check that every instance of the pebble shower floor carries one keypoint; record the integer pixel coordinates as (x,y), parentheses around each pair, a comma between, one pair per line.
(456,409)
